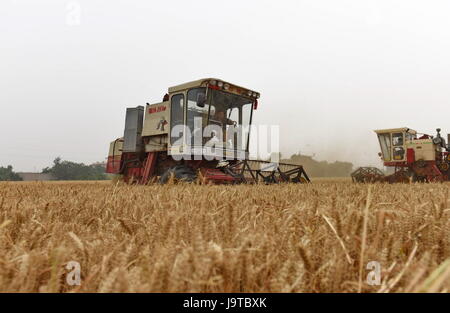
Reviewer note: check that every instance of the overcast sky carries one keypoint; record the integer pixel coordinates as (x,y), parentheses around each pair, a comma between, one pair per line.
(329,72)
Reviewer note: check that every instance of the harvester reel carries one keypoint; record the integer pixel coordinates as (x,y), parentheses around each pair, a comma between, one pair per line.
(300,180)
(367,175)
(240,178)
(254,171)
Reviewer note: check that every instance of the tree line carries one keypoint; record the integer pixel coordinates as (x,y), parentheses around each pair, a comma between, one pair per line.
(316,168)
(8,174)
(62,170)
(67,170)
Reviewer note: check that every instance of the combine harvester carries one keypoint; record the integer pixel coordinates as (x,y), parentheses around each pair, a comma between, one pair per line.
(414,158)
(168,139)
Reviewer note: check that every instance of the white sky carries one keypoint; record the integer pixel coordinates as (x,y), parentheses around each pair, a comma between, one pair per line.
(329,72)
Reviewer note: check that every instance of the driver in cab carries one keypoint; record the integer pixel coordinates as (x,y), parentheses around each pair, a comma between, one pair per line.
(220,117)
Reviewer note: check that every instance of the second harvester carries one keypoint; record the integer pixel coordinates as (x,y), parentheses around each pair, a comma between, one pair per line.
(413,157)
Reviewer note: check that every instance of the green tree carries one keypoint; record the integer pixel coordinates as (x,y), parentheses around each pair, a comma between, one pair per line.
(67,170)
(7,174)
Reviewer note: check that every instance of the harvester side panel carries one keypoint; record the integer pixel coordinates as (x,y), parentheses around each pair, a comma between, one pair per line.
(113,164)
(157,119)
(133,129)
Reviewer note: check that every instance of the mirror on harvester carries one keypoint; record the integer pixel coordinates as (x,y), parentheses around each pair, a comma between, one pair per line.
(201,100)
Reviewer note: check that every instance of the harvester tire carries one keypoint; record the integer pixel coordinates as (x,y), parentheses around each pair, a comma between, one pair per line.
(180,173)
(443,167)
(421,163)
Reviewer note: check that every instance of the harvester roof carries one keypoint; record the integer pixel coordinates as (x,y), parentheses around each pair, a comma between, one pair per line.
(213,82)
(394,130)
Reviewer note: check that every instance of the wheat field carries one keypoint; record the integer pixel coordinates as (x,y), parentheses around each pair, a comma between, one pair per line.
(318,237)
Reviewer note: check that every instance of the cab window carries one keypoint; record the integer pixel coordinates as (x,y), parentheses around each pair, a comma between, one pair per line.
(397,139)
(197,113)
(398,153)
(385,143)
(410,136)
(176,117)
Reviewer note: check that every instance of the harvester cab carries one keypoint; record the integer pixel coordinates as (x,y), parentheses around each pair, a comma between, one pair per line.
(413,156)
(215,114)
(402,145)
(195,128)
(393,144)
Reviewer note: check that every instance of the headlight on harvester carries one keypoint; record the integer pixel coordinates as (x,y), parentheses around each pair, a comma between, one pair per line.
(212,82)
(226,86)
(220,84)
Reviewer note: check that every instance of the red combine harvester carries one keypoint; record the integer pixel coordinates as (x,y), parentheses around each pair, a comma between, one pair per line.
(201,128)
(414,157)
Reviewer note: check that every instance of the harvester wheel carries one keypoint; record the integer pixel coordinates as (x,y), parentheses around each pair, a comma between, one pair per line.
(420,179)
(421,163)
(180,173)
(443,167)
